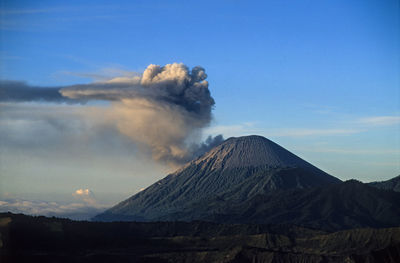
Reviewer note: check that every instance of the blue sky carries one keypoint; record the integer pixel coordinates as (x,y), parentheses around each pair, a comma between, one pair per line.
(321,78)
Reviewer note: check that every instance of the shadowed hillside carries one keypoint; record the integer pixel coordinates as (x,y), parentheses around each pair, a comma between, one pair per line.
(351,204)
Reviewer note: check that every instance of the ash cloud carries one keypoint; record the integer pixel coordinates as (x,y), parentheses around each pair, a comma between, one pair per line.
(173,84)
(17,91)
(208,144)
(163,110)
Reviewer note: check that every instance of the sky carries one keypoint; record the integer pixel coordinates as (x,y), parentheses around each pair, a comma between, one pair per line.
(320,78)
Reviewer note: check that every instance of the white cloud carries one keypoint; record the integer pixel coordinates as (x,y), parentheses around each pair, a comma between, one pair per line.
(250,128)
(83,192)
(311,132)
(246,128)
(380,120)
(85,195)
(350,151)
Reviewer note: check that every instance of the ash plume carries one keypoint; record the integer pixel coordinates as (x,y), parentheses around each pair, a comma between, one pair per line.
(18,91)
(208,144)
(163,110)
(173,84)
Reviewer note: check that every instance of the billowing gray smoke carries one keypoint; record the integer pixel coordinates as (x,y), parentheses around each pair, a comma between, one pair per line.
(172,84)
(164,109)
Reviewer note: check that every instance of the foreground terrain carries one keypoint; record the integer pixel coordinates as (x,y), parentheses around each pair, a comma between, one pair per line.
(41,239)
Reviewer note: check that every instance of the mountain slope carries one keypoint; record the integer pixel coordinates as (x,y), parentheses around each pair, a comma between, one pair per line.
(391,184)
(351,204)
(240,167)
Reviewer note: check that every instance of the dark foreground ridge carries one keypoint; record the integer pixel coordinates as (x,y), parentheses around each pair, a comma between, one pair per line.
(40,239)
(239,169)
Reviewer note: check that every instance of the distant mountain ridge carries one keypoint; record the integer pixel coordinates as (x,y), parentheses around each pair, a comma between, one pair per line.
(391,184)
(241,167)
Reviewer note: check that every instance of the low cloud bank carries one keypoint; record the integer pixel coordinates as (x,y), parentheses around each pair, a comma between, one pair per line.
(84,208)
(76,211)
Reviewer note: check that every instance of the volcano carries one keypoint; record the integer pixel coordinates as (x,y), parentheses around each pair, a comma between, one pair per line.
(238,169)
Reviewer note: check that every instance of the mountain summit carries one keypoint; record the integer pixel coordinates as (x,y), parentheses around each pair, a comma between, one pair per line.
(239,168)
(250,151)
